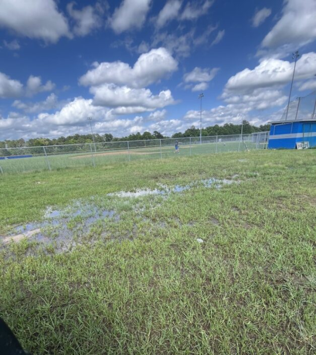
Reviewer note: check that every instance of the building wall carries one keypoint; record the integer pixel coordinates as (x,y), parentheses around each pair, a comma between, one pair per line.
(287,135)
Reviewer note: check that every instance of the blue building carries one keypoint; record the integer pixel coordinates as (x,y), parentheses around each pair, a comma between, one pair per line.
(292,134)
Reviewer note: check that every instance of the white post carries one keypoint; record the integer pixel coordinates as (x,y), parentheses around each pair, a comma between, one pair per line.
(160,150)
(92,155)
(128,152)
(46,158)
(298,106)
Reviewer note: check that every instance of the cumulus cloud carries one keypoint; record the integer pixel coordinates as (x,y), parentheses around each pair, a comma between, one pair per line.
(259,99)
(87,19)
(13,45)
(200,75)
(149,68)
(272,72)
(308,85)
(9,88)
(71,119)
(127,110)
(34,85)
(34,19)
(75,112)
(115,96)
(157,115)
(50,103)
(260,16)
(130,15)
(200,87)
(295,27)
(169,12)
(220,35)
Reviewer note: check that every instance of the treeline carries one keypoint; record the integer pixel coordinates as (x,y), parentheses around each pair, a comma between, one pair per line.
(226,129)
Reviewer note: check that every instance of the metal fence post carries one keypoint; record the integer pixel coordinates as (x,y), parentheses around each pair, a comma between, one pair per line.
(298,106)
(216,143)
(314,111)
(92,155)
(160,150)
(128,152)
(190,146)
(47,160)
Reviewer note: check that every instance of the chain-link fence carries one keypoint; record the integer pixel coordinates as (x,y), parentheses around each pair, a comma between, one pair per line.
(15,160)
(302,108)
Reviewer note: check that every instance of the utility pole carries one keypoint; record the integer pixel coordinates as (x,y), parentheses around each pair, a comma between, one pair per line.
(201,98)
(295,56)
(90,122)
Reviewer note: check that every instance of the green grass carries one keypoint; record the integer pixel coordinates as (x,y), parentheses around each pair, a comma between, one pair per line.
(143,284)
(101,157)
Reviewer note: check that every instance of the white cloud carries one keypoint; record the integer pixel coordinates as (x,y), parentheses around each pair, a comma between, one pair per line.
(218,38)
(195,9)
(182,45)
(295,27)
(34,19)
(200,75)
(169,12)
(13,46)
(157,115)
(168,127)
(50,103)
(87,19)
(143,47)
(115,96)
(131,14)
(75,112)
(34,85)
(9,88)
(71,119)
(272,72)
(200,87)
(149,68)
(260,16)
(308,85)
(127,110)
(258,99)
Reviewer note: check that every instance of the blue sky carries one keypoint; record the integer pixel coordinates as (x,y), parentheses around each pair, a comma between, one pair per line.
(136,65)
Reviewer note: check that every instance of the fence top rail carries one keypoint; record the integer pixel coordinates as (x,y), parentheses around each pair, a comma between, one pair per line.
(135,141)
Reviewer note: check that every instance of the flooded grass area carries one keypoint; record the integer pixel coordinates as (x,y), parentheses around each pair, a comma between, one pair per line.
(62,229)
(201,256)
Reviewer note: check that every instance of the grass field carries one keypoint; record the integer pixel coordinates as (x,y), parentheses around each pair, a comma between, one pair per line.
(89,159)
(225,268)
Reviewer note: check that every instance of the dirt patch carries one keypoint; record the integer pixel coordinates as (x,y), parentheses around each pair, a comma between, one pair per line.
(215,221)
(125,152)
(19,237)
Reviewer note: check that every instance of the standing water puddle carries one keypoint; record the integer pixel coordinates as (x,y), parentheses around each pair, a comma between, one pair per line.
(78,218)
(165,190)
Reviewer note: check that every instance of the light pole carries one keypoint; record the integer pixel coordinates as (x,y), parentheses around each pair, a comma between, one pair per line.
(201,98)
(90,122)
(295,56)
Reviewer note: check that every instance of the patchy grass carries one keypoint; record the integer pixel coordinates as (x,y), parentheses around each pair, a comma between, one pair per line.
(142,284)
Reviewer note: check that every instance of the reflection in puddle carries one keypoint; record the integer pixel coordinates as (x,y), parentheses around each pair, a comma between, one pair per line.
(164,190)
(67,227)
